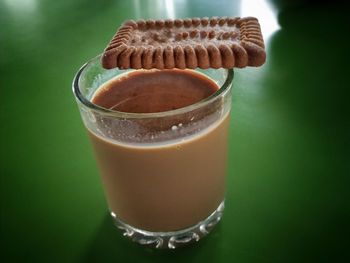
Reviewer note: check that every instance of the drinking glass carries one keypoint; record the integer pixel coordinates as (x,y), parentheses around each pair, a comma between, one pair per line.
(163,173)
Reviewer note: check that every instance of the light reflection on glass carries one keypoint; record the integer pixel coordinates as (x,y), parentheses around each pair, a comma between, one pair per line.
(264,12)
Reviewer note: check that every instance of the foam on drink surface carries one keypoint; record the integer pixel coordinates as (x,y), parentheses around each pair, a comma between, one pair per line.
(154,92)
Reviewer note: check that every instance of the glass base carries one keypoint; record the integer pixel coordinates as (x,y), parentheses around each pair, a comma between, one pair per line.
(173,239)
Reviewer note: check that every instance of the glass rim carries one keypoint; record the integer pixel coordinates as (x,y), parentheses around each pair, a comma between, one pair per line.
(119,114)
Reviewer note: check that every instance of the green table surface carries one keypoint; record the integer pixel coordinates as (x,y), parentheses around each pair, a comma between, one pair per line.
(289,163)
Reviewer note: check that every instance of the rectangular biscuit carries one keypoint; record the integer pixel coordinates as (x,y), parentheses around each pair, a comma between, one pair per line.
(218,42)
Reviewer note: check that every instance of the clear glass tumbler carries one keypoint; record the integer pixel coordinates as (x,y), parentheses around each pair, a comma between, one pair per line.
(163,173)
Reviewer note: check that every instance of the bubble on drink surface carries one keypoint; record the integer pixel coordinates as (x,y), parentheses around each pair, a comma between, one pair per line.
(180,124)
(174,128)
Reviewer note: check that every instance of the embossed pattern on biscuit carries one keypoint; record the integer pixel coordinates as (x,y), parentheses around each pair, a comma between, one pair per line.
(217,42)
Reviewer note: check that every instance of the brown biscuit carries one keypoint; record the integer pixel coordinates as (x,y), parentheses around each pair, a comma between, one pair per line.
(217,42)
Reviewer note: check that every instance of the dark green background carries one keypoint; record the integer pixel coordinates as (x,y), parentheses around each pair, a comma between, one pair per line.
(288,187)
